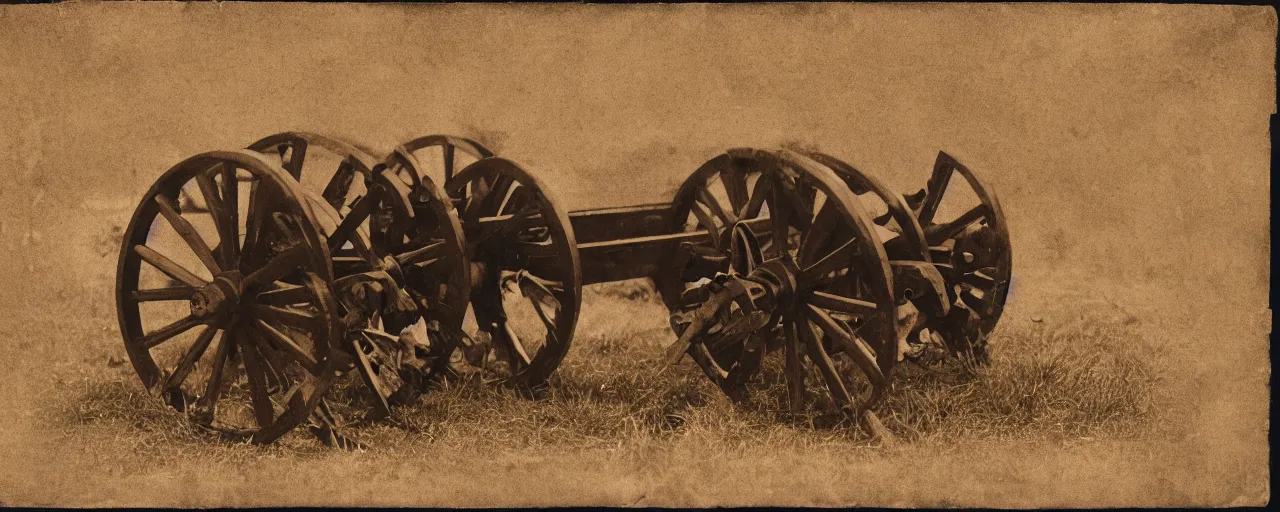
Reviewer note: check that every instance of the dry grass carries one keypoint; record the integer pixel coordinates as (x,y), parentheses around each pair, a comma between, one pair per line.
(1044,384)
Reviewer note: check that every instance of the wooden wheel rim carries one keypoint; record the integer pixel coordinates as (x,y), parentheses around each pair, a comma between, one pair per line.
(792,169)
(563,251)
(450,145)
(912,235)
(433,218)
(994,218)
(308,261)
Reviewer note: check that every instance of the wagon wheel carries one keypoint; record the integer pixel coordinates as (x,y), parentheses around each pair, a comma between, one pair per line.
(727,189)
(905,238)
(970,247)
(915,278)
(440,275)
(810,221)
(335,168)
(387,217)
(334,176)
(455,154)
(367,356)
(265,286)
(528,279)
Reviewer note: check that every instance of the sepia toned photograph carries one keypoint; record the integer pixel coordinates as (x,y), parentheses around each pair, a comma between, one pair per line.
(646,255)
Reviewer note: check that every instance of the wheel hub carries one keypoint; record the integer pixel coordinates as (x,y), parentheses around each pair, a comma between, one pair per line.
(218,297)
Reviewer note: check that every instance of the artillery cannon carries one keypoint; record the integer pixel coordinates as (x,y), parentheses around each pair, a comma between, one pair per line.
(380,273)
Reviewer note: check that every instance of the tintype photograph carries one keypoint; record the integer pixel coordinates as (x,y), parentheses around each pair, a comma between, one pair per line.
(694,255)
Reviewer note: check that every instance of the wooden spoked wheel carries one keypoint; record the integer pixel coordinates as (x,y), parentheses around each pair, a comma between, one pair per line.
(841,301)
(384,216)
(915,279)
(969,243)
(436,266)
(247,267)
(339,174)
(450,152)
(901,233)
(527,278)
(336,169)
(333,175)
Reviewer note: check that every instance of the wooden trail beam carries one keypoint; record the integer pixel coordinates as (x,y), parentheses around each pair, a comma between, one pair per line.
(630,258)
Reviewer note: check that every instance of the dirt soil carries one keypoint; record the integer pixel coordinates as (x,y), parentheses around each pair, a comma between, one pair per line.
(1129,146)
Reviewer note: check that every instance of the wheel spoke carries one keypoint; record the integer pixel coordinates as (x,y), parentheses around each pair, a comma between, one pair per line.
(937,233)
(365,367)
(271,365)
(335,192)
(819,234)
(497,195)
(189,234)
(166,265)
(937,186)
(857,350)
(209,190)
(290,317)
(359,212)
(516,346)
(189,358)
(287,346)
(280,266)
(839,259)
(734,179)
(263,412)
(839,393)
(520,198)
(448,161)
(708,223)
(213,387)
(536,249)
(758,196)
(978,280)
(158,294)
(503,226)
(297,155)
(780,217)
(285,295)
(801,209)
(749,363)
(975,299)
(257,212)
(702,356)
(433,250)
(704,196)
(218,211)
(479,191)
(855,307)
(163,334)
(794,368)
(546,320)
(231,210)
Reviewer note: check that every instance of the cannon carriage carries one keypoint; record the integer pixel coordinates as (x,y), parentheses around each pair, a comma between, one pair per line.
(356,291)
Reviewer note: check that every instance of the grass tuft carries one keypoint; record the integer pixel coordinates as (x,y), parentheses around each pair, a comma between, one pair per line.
(1044,382)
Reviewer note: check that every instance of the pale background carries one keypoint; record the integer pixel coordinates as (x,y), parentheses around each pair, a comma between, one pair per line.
(1129,146)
